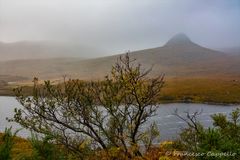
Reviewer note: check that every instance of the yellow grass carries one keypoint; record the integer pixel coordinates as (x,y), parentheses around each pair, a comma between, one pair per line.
(21,147)
(212,90)
(195,89)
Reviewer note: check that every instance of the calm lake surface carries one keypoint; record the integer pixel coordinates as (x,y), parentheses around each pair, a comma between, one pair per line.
(168,123)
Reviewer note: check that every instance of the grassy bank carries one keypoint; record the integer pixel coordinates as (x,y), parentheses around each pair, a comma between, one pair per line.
(194,90)
(24,149)
(202,90)
(21,147)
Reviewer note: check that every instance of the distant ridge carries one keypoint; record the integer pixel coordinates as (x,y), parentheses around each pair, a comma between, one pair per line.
(179,57)
(43,50)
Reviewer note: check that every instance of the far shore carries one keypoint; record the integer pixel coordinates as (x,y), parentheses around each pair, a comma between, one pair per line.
(213,91)
(167,101)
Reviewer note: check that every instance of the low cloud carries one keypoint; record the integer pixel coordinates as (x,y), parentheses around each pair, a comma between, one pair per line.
(120,25)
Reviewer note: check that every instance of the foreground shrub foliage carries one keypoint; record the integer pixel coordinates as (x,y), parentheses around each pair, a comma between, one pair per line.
(6,144)
(221,142)
(88,117)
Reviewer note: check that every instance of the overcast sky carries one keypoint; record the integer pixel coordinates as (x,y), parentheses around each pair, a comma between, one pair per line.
(120,25)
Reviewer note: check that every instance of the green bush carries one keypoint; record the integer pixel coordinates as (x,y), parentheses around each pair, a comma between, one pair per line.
(6,144)
(44,149)
(220,142)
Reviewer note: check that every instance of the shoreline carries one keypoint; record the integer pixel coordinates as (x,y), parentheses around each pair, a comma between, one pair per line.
(198,102)
(170,102)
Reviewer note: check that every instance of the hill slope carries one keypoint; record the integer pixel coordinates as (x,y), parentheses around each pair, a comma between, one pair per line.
(43,50)
(232,50)
(178,57)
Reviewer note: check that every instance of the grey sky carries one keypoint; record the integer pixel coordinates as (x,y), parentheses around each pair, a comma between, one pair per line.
(120,25)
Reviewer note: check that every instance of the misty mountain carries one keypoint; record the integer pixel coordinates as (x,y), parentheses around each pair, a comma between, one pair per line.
(178,57)
(231,50)
(44,50)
